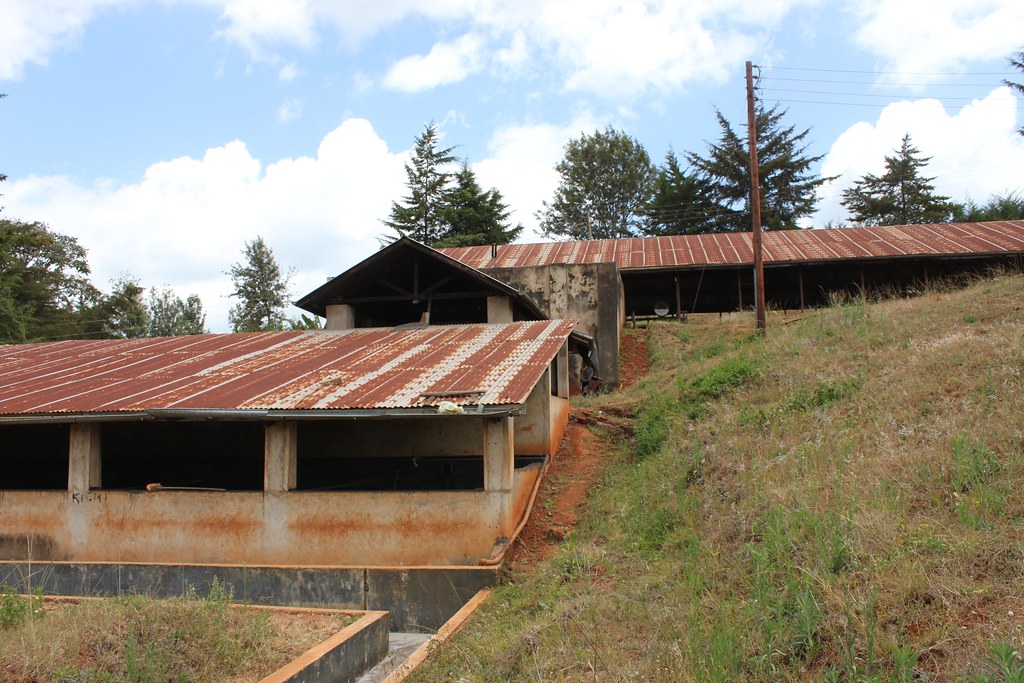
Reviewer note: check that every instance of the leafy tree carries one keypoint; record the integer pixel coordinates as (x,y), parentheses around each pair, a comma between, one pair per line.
(473,216)
(681,202)
(1017,61)
(306,322)
(169,316)
(262,289)
(420,214)
(44,288)
(900,196)
(123,313)
(1008,206)
(606,180)
(788,188)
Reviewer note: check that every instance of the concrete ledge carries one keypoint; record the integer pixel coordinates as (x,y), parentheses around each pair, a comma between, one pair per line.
(451,627)
(342,657)
(419,598)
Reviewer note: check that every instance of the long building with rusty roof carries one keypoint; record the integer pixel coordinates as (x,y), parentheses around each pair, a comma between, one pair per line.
(605,282)
(303,467)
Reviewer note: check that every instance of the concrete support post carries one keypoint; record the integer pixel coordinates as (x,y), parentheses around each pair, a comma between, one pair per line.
(499,464)
(499,309)
(340,317)
(280,456)
(84,458)
(561,382)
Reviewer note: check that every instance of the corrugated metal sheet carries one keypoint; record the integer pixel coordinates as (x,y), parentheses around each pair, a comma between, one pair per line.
(779,247)
(353,369)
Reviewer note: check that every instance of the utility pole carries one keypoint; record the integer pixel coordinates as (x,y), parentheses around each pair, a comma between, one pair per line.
(755,205)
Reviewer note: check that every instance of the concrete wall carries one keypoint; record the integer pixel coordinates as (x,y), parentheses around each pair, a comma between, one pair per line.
(417,598)
(540,430)
(292,528)
(591,293)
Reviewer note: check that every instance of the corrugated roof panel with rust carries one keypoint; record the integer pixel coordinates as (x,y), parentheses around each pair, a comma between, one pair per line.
(682,251)
(352,369)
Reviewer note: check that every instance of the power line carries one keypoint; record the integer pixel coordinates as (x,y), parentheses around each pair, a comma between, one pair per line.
(891,73)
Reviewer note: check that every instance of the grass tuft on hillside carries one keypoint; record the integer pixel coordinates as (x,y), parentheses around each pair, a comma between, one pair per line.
(842,500)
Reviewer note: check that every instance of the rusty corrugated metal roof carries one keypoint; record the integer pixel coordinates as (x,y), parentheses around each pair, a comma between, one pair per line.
(780,246)
(495,364)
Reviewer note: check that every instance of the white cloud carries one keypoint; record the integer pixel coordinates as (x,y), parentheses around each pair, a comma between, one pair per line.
(521,165)
(289,110)
(288,73)
(938,35)
(31,29)
(975,151)
(185,222)
(445,63)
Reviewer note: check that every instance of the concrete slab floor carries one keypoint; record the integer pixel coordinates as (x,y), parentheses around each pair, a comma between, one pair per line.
(400,646)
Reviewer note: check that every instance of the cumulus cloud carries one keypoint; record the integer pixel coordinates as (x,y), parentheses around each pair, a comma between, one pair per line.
(937,35)
(521,164)
(974,152)
(185,222)
(31,29)
(445,63)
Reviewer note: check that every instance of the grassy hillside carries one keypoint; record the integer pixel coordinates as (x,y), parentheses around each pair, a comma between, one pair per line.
(841,500)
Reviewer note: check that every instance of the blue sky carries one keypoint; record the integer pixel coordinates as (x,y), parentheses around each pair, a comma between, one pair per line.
(163,135)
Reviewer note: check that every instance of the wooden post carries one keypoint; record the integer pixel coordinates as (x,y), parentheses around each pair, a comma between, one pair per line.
(800,272)
(755,205)
(679,301)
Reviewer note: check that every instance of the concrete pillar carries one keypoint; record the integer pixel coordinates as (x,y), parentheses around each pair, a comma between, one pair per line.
(281,441)
(84,458)
(499,464)
(340,317)
(560,384)
(499,309)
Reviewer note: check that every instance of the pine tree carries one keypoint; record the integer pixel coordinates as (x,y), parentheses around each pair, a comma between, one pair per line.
(900,196)
(606,180)
(788,188)
(419,215)
(473,216)
(680,203)
(262,288)
(1017,62)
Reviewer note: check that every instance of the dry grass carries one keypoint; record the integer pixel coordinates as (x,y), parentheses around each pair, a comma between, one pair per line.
(135,639)
(842,500)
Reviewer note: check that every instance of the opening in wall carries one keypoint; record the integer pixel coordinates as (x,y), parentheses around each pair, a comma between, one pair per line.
(203,455)
(34,457)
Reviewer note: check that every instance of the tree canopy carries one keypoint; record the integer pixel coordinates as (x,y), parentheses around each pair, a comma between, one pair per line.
(261,288)
(474,216)
(788,187)
(606,179)
(900,196)
(170,316)
(1017,61)
(681,202)
(420,214)
(446,208)
(44,286)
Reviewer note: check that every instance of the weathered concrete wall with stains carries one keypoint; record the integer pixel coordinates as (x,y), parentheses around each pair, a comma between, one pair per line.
(591,293)
(293,528)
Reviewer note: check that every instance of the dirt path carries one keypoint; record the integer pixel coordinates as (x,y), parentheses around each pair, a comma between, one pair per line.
(576,468)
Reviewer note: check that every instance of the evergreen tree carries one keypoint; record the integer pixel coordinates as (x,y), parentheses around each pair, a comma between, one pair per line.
(788,188)
(473,216)
(122,313)
(1017,62)
(1008,206)
(606,181)
(169,316)
(420,214)
(680,204)
(262,289)
(900,196)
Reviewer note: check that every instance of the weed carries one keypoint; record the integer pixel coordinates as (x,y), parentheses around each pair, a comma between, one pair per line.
(652,427)
(727,375)
(15,609)
(1006,665)
(825,394)
(973,463)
